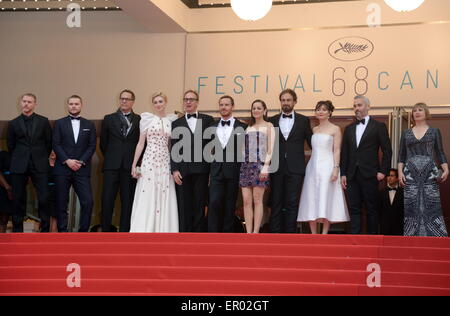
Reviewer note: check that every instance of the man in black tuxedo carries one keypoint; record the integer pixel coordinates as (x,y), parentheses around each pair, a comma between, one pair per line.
(392,206)
(189,168)
(361,170)
(287,182)
(74,142)
(118,141)
(228,140)
(30,144)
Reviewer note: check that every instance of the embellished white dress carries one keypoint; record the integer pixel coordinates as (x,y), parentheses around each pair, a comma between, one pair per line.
(321,198)
(155,207)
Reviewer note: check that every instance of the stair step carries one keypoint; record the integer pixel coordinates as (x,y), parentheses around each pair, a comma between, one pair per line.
(224,273)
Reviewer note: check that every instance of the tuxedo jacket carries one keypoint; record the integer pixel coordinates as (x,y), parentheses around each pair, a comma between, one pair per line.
(192,165)
(229,168)
(392,215)
(292,150)
(65,147)
(366,156)
(118,150)
(36,148)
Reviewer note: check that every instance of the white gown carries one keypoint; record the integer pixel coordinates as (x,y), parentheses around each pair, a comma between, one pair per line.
(321,198)
(155,207)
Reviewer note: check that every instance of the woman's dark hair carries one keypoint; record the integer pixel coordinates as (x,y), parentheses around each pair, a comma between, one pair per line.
(252,120)
(327,104)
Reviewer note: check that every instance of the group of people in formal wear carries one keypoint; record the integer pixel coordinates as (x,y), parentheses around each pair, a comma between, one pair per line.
(184,173)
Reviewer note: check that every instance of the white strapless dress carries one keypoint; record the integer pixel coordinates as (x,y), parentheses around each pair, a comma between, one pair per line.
(321,198)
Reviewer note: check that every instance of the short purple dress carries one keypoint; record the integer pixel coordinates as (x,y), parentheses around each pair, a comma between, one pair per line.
(256,144)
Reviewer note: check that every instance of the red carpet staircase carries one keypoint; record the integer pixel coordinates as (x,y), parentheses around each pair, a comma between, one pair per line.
(222,264)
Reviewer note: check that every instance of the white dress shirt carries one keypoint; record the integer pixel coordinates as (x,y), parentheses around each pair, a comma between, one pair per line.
(360,129)
(286,124)
(392,194)
(76,129)
(192,122)
(224,132)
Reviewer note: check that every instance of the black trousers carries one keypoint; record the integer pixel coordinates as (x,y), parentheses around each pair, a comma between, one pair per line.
(361,191)
(19,184)
(192,198)
(113,180)
(391,220)
(83,189)
(223,194)
(285,198)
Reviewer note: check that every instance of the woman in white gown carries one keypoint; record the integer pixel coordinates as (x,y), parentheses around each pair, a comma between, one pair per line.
(155,207)
(323,199)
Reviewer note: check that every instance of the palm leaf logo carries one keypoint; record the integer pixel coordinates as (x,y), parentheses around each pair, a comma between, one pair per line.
(350,48)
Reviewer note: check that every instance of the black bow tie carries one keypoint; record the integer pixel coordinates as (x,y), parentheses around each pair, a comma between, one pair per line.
(192,115)
(363,122)
(73,118)
(226,123)
(291,116)
(392,189)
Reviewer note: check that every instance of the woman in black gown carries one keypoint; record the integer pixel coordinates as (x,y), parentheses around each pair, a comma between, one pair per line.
(419,173)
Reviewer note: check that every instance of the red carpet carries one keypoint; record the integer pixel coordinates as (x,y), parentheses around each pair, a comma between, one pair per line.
(222,264)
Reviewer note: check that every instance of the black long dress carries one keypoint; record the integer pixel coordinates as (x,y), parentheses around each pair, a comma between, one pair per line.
(423,209)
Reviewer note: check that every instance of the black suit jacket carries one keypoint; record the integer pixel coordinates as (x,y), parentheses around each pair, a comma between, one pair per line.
(192,166)
(37,148)
(117,149)
(292,150)
(230,169)
(392,215)
(65,147)
(366,156)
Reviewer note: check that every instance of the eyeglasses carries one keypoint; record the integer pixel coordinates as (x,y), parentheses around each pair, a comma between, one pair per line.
(126,99)
(190,100)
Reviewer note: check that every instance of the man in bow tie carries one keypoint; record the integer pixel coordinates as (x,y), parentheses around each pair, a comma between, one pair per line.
(30,144)
(74,142)
(361,169)
(229,138)
(189,168)
(119,138)
(287,182)
(392,206)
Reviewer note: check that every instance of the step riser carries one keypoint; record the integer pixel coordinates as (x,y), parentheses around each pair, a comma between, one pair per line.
(219,249)
(212,287)
(232,238)
(184,273)
(230,261)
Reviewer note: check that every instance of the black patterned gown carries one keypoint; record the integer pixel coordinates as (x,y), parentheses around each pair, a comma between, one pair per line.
(423,210)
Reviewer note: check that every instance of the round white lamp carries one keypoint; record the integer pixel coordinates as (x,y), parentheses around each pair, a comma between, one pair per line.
(404,5)
(251,10)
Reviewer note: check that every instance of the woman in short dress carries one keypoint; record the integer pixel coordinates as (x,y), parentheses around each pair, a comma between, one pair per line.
(254,176)
(323,199)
